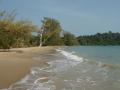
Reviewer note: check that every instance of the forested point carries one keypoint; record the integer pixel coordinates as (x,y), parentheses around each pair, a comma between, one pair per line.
(21,33)
(108,38)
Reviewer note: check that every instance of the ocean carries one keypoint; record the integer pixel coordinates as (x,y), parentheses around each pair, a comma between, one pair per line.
(75,68)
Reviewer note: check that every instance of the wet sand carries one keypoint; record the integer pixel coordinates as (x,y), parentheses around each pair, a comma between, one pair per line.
(16,63)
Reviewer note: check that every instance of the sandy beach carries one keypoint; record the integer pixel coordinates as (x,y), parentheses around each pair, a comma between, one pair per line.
(16,63)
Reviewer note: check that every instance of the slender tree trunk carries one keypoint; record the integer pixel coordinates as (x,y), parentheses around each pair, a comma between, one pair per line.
(40,40)
(41,36)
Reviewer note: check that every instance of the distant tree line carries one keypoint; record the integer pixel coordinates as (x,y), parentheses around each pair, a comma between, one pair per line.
(108,38)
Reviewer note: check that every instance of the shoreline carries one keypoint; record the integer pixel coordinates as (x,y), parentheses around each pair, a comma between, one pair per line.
(16,64)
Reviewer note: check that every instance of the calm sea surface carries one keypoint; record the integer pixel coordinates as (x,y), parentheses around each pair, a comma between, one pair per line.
(75,68)
(104,54)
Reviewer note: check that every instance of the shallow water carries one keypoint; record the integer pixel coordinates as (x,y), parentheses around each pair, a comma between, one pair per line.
(75,68)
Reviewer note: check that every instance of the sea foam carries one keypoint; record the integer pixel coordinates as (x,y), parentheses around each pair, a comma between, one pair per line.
(33,81)
(70,55)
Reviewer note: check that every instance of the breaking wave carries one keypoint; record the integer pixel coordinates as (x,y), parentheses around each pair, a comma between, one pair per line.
(70,55)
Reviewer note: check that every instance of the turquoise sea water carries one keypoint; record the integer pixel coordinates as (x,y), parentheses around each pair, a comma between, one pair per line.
(100,69)
(105,54)
(75,68)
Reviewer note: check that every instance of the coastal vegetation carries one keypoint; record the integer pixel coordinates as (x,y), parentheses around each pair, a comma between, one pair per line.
(69,39)
(107,38)
(23,33)
(14,33)
(51,31)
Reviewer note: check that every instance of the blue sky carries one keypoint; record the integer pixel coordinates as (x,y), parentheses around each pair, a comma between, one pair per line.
(80,17)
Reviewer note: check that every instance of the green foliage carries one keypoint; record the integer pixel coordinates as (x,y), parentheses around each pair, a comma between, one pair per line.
(5,40)
(14,33)
(100,39)
(52,30)
(69,39)
(19,34)
(34,40)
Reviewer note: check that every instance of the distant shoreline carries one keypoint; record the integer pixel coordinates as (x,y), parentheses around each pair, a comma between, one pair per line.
(16,64)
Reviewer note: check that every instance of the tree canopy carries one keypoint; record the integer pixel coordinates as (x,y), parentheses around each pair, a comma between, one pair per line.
(14,33)
(52,31)
(69,39)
